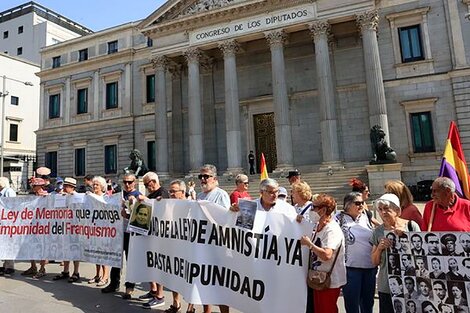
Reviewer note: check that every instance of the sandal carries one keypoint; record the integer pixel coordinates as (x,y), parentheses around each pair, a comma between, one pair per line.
(30,272)
(102,282)
(40,274)
(94,280)
(62,275)
(74,278)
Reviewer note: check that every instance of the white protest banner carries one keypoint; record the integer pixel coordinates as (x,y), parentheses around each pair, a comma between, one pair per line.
(429,271)
(195,248)
(84,227)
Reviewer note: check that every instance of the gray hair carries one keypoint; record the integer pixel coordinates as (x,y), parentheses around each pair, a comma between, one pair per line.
(181,184)
(268,182)
(209,168)
(100,180)
(151,176)
(390,204)
(4,182)
(127,174)
(349,199)
(445,183)
(241,178)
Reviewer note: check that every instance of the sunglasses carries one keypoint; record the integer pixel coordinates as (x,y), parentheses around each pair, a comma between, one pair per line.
(128,182)
(246,183)
(358,203)
(147,184)
(204,176)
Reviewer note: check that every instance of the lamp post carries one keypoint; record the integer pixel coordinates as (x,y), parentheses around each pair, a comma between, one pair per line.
(4,94)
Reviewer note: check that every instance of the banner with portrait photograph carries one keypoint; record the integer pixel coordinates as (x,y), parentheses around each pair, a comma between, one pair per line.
(57,227)
(429,272)
(196,249)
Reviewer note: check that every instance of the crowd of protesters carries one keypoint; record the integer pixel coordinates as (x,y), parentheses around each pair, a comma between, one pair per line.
(350,243)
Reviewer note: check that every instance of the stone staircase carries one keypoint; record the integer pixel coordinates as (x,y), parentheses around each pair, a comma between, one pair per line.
(335,183)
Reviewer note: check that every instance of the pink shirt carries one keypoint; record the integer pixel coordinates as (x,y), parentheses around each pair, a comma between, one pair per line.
(455,218)
(412,213)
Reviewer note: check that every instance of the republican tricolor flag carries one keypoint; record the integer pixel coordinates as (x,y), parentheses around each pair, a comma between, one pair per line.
(453,163)
(263,168)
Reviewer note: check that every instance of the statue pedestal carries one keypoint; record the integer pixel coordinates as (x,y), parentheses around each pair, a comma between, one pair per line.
(379,174)
(139,185)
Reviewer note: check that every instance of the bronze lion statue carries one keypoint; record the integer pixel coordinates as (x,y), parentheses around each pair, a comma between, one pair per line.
(381,151)
(137,165)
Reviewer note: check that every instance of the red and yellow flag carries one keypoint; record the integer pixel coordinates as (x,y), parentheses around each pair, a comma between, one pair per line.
(264,170)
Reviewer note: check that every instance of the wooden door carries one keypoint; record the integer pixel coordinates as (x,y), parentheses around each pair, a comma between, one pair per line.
(265,140)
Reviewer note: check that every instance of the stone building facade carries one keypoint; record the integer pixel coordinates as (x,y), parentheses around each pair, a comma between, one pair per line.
(302,81)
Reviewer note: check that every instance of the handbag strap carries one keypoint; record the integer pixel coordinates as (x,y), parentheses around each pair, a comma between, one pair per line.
(336,257)
(305,209)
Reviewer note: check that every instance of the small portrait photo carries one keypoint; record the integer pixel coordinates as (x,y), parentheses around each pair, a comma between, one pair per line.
(407,265)
(449,245)
(436,270)
(424,289)
(464,244)
(403,245)
(455,269)
(246,216)
(445,308)
(428,307)
(421,265)
(417,247)
(412,306)
(393,240)
(398,305)
(439,289)
(457,294)
(433,245)
(411,292)
(394,267)
(140,218)
(396,286)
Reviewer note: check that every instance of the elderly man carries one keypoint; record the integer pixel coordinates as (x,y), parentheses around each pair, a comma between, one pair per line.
(151,181)
(269,190)
(241,191)
(69,185)
(446,211)
(129,193)
(8,267)
(211,192)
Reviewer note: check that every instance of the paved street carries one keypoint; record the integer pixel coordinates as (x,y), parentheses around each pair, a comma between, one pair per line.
(19,295)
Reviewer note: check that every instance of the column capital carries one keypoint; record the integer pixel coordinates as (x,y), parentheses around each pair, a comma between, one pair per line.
(276,37)
(367,20)
(229,47)
(160,62)
(192,55)
(319,28)
(175,69)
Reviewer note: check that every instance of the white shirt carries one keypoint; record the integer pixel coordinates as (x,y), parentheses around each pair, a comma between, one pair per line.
(279,207)
(331,237)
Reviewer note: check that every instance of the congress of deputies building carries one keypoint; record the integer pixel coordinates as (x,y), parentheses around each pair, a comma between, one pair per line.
(206,81)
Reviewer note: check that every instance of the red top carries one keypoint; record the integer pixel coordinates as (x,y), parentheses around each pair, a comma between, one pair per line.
(239,195)
(455,218)
(412,213)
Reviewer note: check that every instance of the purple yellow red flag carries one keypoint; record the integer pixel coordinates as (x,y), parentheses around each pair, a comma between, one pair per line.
(264,170)
(453,163)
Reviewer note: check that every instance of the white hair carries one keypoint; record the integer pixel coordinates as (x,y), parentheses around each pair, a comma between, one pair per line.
(100,180)
(4,182)
(151,176)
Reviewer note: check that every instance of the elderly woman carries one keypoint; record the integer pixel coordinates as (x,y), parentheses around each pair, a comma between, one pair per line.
(409,211)
(302,196)
(241,191)
(99,188)
(327,242)
(359,291)
(359,186)
(388,206)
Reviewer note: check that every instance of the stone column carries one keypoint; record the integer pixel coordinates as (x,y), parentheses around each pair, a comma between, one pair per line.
(329,131)
(232,107)
(66,100)
(276,41)
(367,23)
(161,126)
(43,105)
(196,144)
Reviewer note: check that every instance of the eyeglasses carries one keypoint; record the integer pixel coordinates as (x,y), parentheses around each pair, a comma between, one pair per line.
(128,182)
(173,191)
(358,203)
(204,176)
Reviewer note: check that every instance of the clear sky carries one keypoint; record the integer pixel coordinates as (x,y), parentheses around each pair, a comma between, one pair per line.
(95,14)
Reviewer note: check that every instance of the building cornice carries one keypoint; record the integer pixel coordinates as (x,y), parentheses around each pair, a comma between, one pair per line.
(206,18)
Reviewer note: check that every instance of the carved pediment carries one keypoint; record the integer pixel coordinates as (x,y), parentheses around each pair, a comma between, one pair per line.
(207,5)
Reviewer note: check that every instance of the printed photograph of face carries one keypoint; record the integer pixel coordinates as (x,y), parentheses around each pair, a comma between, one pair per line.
(411,307)
(141,216)
(394,267)
(398,305)
(403,245)
(396,286)
(393,240)
(432,244)
(417,244)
